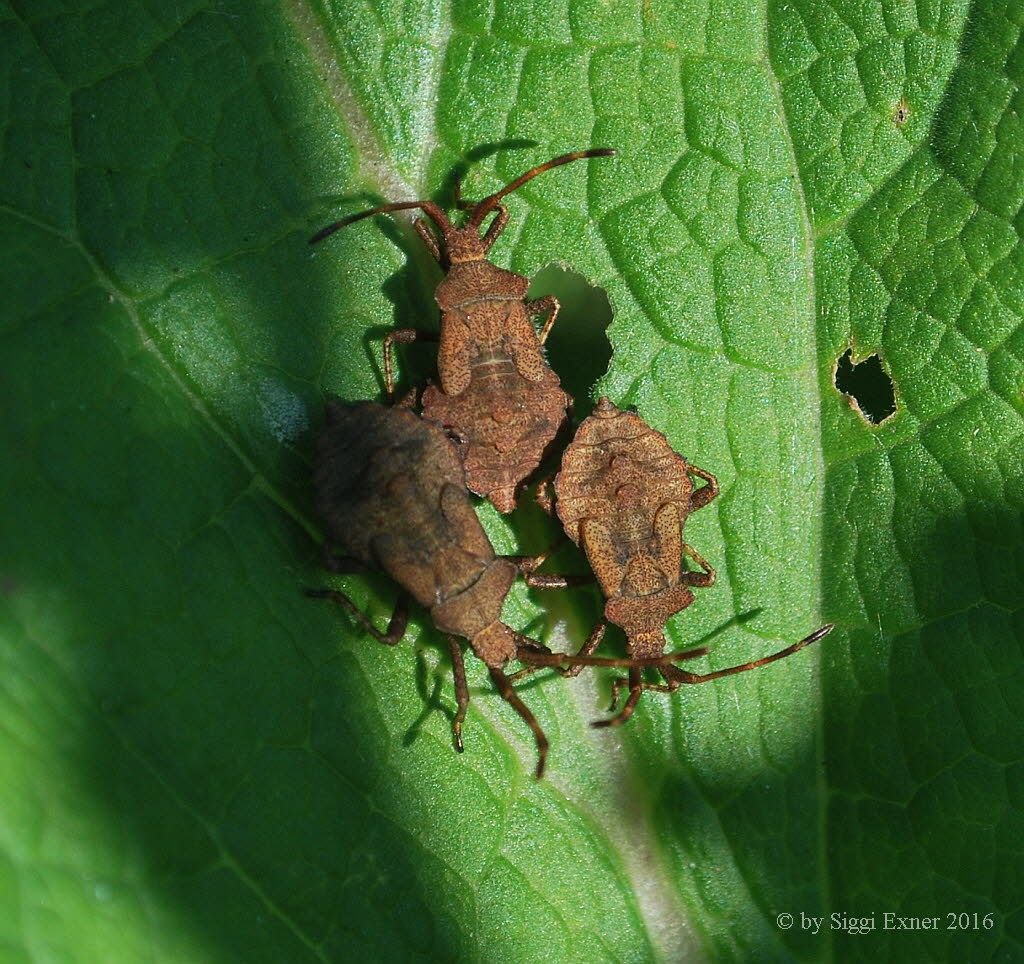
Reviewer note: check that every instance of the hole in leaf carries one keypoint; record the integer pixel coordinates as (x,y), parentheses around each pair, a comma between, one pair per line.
(901,114)
(577,348)
(868,386)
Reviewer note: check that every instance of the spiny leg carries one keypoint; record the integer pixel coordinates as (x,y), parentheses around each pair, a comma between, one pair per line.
(396,626)
(538,307)
(702,496)
(540,657)
(587,649)
(535,647)
(461,689)
(342,565)
(528,566)
(543,497)
(697,579)
(510,697)
(635,689)
(401,336)
(664,668)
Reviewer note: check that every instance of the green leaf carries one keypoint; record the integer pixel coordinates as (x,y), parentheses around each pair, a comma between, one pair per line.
(199,763)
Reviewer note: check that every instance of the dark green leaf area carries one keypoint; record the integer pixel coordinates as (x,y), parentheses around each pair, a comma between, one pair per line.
(167,650)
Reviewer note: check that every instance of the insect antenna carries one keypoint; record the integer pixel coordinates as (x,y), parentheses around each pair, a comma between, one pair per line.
(542,659)
(763,661)
(429,208)
(488,204)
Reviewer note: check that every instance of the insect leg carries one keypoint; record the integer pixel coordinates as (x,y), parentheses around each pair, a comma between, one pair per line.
(617,684)
(636,687)
(528,566)
(509,695)
(666,669)
(565,664)
(403,336)
(671,683)
(538,307)
(339,564)
(396,625)
(525,643)
(705,493)
(587,649)
(461,689)
(543,496)
(700,579)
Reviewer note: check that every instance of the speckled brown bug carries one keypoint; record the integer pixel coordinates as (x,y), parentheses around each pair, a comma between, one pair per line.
(496,394)
(391,492)
(623,495)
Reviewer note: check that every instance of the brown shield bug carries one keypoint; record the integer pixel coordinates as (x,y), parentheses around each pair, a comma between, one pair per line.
(623,495)
(391,492)
(496,394)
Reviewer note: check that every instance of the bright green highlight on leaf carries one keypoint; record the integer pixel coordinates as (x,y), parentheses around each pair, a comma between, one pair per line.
(199,764)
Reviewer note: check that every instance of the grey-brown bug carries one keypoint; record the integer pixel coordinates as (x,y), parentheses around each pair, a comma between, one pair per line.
(623,495)
(392,496)
(495,394)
